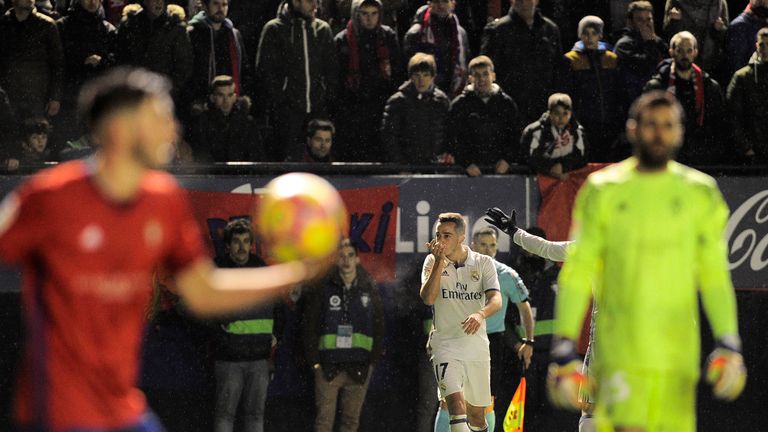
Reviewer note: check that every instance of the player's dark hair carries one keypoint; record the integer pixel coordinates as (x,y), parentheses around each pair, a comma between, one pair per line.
(638,6)
(485,231)
(315,125)
(456,218)
(236,227)
(349,243)
(654,99)
(35,125)
(120,88)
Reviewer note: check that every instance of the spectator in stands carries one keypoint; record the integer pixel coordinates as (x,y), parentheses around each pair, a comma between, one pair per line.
(484,123)
(370,60)
(437,31)
(319,141)
(296,63)
(593,83)
(8,137)
(89,49)
(34,144)
(701,98)
(153,39)
(556,143)
(742,33)
(747,95)
(413,129)
(639,50)
(707,20)
(243,344)
(223,129)
(525,47)
(343,339)
(217,48)
(31,61)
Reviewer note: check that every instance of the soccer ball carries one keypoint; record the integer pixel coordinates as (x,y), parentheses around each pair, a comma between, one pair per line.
(301,216)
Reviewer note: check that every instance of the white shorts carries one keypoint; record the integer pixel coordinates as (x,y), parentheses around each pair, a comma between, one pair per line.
(473,378)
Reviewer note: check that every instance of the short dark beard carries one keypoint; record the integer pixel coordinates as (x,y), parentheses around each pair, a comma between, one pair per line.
(651,161)
(680,67)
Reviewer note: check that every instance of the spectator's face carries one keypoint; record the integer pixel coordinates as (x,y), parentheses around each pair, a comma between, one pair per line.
(239,248)
(217,10)
(762,47)
(763,3)
(154,8)
(23,4)
(684,53)
(485,244)
(525,7)
(37,142)
(308,8)
(224,98)
(656,136)
(320,143)
(441,8)
(590,37)
(560,116)
(641,19)
(91,6)
(447,235)
(348,260)
(422,81)
(482,78)
(153,132)
(369,17)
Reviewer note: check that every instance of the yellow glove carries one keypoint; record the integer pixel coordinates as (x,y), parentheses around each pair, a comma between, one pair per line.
(564,376)
(726,373)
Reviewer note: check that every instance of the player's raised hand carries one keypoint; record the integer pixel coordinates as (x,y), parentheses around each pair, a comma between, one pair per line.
(501,220)
(472,323)
(564,376)
(437,249)
(726,372)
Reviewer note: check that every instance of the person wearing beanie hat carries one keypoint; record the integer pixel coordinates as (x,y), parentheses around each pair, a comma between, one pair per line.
(593,81)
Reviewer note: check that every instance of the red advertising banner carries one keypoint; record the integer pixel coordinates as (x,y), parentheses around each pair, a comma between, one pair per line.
(372,218)
(557,198)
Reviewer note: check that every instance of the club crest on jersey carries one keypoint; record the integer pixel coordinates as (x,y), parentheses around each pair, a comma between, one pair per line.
(445,273)
(91,238)
(153,233)
(475,275)
(335,302)
(365,299)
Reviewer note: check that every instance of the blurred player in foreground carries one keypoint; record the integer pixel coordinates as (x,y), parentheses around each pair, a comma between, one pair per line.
(89,234)
(648,235)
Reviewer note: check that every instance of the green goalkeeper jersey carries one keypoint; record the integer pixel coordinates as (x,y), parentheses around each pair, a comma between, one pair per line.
(649,243)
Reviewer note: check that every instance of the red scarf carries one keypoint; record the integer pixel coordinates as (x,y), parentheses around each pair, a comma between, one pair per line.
(382,53)
(429,34)
(698,87)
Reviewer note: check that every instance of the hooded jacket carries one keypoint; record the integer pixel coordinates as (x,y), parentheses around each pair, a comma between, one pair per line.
(746,98)
(160,45)
(484,132)
(296,62)
(527,60)
(742,34)
(539,139)
(204,66)
(704,137)
(593,83)
(413,126)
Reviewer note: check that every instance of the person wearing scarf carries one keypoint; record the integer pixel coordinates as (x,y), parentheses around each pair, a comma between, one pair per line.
(371,64)
(217,46)
(700,96)
(437,31)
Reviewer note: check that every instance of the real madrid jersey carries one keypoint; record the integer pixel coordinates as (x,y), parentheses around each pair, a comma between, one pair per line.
(462,293)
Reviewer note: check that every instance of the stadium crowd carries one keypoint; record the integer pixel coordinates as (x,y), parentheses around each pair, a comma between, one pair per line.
(466,83)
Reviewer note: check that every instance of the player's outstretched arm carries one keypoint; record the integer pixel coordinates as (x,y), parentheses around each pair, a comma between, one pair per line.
(208,290)
(553,251)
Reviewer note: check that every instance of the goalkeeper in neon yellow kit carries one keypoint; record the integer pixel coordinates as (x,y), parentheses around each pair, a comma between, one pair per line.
(648,235)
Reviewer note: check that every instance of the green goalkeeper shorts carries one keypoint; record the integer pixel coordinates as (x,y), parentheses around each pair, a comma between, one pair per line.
(657,401)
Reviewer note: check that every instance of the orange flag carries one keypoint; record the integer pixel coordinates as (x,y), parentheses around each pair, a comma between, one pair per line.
(513,421)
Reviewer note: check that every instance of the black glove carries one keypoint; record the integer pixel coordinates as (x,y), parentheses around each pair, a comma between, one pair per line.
(500,220)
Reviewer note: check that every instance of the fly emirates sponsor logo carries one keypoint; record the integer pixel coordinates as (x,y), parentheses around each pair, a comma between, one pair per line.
(460,293)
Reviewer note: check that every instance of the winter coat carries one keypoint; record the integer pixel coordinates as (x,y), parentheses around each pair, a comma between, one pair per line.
(638,60)
(484,132)
(527,61)
(413,129)
(704,144)
(742,34)
(746,96)
(216,137)
(593,83)
(160,45)
(296,62)
(538,137)
(84,34)
(31,62)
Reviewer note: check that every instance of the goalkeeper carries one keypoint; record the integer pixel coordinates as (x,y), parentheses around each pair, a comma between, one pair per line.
(648,234)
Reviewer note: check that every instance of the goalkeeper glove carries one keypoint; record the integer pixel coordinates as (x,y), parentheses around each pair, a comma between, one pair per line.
(564,376)
(725,370)
(501,220)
